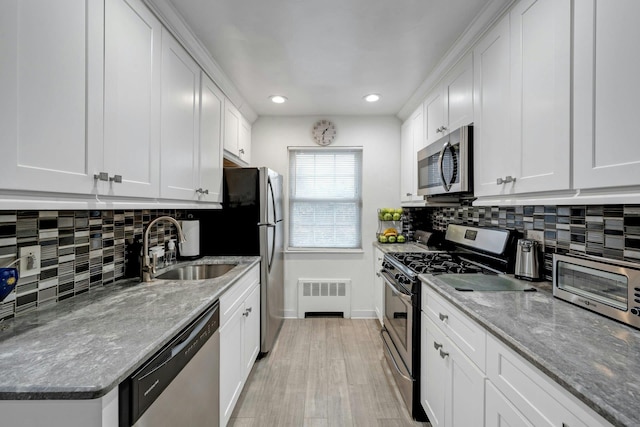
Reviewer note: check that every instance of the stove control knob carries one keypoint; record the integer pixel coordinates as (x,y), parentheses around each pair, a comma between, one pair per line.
(635,311)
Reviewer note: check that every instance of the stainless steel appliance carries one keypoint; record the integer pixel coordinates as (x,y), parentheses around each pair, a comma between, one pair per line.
(527,260)
(471,250)
(180,384)
(446,166)
(251,223)
(605,286)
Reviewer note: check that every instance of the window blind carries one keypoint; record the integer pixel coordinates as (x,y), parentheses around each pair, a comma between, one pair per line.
(325,198)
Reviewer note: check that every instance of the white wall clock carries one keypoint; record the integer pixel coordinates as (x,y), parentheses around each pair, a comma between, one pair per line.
(323,132)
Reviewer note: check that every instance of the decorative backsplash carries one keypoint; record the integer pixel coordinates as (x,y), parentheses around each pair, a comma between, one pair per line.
(80,250)
(610,231)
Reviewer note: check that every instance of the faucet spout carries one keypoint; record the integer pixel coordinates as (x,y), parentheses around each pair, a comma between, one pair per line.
(148,268)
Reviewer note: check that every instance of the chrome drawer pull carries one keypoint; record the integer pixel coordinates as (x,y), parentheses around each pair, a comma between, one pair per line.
(443,317)
(437,346)
(443,354)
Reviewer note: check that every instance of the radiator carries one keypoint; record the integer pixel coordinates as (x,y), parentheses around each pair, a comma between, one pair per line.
(324,296)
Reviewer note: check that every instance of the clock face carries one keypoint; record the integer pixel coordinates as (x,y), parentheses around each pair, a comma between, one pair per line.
(323,132)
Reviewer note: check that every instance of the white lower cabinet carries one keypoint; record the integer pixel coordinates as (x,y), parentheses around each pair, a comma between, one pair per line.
(535,399)
(451,385)
(378,285)
(239,339)
(501,412)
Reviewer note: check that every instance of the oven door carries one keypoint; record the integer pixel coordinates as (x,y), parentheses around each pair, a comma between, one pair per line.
(398,319)
(444,166)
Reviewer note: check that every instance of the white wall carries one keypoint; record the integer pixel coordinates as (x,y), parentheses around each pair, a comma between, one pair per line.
(379,137)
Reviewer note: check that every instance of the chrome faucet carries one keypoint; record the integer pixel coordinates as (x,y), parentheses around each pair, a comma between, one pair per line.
(148,268)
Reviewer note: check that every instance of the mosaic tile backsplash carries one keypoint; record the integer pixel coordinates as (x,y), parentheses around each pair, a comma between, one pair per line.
(80,250)
(610,231)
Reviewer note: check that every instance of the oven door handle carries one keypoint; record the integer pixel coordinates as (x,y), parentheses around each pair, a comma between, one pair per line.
(395,290)
(395,365)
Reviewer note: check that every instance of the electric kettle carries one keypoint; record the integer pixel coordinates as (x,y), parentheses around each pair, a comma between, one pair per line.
(527,260)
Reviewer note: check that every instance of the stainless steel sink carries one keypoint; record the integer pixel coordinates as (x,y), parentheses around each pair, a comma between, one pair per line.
(196,272)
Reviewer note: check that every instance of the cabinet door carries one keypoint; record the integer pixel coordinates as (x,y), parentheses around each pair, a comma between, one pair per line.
(541,89)
(466,407)
(407,159)
(210,159)
(378,285)
(180,121)
(244,141)
(458,95)
(231,127)
(231,363)
(434,381)
(606,60)
(492,148)
(51,98)
(132,98)
(434,109)
(251,330)
(500,412)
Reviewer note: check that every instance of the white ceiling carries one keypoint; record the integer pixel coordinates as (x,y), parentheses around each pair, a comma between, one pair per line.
(326,55)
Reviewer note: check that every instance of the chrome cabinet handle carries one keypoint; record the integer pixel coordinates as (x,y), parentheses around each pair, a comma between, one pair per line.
(443,354)
(443,317)
(437,346)
(241,151)
(202,191)
(247,312)
(507,179)
(101,176)
(116,178)
(378,274)
(409,194)
(444,128)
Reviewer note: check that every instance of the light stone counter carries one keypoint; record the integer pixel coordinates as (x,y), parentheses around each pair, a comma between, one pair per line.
(83,347)
(591,356)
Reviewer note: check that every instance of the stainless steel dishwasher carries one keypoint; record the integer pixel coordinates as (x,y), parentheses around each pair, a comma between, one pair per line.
(179,385)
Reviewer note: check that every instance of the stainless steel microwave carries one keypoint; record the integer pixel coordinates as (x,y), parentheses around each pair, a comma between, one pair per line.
(608,287)
(445,166)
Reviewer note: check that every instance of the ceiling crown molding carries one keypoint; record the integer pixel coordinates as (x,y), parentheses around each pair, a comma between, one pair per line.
(174,22)
(481,23)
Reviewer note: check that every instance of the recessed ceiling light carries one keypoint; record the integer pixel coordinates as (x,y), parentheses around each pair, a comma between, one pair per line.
(278,99)
(372,97)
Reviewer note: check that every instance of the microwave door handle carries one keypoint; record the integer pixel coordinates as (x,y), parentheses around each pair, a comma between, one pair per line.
(445,184)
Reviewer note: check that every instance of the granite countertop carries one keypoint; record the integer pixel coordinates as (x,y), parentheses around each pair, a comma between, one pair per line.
(398,247)
(83,347)
(591,356)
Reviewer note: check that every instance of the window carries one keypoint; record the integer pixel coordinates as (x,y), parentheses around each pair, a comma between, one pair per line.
(325,198)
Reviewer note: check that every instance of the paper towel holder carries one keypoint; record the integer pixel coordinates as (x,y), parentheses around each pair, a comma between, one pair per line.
(190,249)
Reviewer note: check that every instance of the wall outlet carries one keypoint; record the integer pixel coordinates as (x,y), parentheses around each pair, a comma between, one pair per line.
(538,236)
(29,261)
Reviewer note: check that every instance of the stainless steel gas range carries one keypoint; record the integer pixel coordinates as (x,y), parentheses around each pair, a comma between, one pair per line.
(486,251)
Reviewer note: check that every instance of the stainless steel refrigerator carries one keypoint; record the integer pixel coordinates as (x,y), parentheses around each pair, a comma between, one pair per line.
(251,223)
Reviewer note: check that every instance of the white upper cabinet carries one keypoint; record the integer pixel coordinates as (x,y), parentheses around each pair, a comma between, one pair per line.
(451,104)
(180,122)
(522,101)
(492,142)
(606,93)
(132,99)
(434,116)
(541,94)
(458,95)
(210,159)
(237,133)
(412,140)
(51,84)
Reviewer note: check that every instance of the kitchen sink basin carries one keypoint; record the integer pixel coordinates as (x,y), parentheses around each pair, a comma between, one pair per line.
(484,282)
(196,272)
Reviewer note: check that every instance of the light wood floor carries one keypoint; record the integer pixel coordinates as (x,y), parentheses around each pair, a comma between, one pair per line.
(323,372)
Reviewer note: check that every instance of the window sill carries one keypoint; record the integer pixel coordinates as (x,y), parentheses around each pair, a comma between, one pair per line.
(323,251)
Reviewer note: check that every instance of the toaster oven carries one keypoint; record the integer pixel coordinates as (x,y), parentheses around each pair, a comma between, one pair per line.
(605,286)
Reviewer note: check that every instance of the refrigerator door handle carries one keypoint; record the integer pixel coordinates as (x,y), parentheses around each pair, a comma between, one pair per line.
(266,224)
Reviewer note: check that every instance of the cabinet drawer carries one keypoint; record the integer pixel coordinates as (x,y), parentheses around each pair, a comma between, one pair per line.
(466,334)
(542,401)
(233,297)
